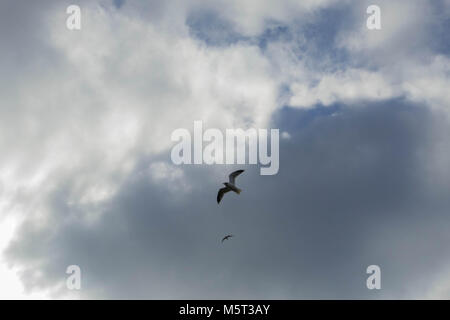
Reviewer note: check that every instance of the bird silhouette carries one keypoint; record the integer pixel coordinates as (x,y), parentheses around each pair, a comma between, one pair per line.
(227,237)
(229,186)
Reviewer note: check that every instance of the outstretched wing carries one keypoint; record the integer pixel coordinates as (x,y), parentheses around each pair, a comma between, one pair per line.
(233,175)
(221,193)
(227,237)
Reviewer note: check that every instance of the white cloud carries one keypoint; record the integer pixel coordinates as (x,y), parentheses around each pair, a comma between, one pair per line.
(429,83)
(12,287)
(350,86)
(113,94)
(117,91)
(169,176)
(421,81)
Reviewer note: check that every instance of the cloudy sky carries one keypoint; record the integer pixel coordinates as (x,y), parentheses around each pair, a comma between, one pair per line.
(86,176)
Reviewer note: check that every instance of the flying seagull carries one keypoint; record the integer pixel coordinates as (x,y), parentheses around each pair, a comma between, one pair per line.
(227,237)
(229,186)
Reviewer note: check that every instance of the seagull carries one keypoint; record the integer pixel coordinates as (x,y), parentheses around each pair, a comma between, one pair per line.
(229,186)
(227,237)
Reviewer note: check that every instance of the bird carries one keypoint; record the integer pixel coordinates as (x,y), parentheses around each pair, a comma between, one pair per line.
(227,237)
(229,186)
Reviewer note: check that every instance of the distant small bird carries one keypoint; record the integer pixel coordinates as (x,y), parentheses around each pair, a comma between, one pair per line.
(227,237)
(229,186)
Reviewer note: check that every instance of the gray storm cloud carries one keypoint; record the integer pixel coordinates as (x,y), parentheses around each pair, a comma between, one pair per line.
(86,120)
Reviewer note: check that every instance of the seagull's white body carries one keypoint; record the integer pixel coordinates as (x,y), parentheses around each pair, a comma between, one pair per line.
(229,186)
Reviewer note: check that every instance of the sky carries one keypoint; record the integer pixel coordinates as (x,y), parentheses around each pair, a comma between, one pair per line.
(86,176)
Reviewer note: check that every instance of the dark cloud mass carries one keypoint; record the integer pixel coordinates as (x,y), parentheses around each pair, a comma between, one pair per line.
(349,194)
(85,136)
